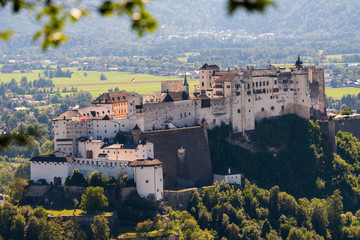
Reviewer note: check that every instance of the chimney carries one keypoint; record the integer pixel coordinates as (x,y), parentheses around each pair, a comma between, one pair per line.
(229,170)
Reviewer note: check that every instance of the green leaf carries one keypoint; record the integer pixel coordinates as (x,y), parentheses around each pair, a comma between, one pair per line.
(5,35)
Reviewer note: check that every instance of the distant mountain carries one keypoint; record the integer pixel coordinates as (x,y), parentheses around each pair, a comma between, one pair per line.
(306,20)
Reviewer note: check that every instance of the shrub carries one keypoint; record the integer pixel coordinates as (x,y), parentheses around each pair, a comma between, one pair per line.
(93,200)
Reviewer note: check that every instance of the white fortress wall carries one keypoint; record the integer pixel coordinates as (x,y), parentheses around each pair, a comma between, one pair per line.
(49,170)
(111,167)
(302,93)
(180,113)
(218,112)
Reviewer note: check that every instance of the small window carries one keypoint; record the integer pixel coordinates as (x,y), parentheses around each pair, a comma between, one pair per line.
(147,181)
(272,108)
(202,84)
(238,110)
(249,100)
(262,109)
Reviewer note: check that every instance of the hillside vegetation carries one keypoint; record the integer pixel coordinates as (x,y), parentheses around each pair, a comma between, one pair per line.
(294,154)
(307,25)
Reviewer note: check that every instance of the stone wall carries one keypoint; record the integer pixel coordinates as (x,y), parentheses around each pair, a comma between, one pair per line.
(172,86)
(87,220)
(185,155)
(180,199)
(351,125)
(37,190)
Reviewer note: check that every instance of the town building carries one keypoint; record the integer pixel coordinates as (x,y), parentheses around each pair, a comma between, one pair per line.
(227,174)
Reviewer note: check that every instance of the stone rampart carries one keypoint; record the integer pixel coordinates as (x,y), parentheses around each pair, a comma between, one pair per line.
(350,124)
(185,155)
(37,190)
(180,199)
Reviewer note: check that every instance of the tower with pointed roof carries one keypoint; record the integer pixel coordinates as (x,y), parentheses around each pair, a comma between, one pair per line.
(136,134)
(186,85)
(299,63)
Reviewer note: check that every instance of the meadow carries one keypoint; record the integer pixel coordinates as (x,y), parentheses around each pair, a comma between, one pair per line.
(143,84)
(337,93)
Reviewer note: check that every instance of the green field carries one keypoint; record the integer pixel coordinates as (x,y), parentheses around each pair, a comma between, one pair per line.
(70,212)
(143,83)
(337,93)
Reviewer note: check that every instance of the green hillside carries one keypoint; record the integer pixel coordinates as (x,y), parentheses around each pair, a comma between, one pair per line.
(317,25)
(294,154)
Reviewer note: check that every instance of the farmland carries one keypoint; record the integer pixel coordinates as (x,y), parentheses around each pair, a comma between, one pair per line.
(90,81)
(337,93)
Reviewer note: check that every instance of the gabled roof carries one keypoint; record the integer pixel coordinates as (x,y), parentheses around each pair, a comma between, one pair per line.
(144,163)
(202,96)
(52,158)
(228,77)
(93,112)
(68,115)
(114,97)
(219,73)
(106,117)
(209,67)
(176,96)
(224,170)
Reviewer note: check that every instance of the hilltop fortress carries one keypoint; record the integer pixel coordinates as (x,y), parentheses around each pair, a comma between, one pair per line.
(174,117)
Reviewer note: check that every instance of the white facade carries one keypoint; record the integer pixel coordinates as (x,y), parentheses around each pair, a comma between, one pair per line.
(228,179)
(91,155)
(49,171)
(149,180)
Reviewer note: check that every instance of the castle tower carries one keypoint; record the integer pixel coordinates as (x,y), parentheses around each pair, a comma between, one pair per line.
(299,63)
(136,133)
(186,86)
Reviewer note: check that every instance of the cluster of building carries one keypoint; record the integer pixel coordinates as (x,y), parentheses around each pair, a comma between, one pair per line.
(97,137)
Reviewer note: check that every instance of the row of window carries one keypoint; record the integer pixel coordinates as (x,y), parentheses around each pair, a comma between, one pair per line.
(259,84)
(273,108)
(181,115)
(107,164)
